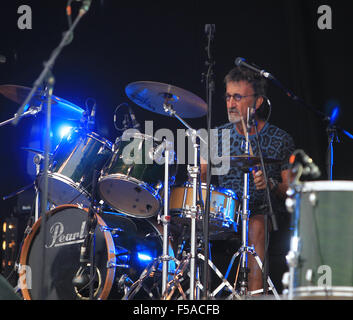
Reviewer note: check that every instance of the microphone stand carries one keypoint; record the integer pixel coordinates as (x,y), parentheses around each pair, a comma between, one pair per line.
(330,129)
(252,122)
(82,279)
(46,75)
(210,88)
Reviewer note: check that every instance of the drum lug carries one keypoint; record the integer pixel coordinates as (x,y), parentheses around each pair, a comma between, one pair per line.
(290,204)
(292,257)
(111,264)
(313,199)
(113,231)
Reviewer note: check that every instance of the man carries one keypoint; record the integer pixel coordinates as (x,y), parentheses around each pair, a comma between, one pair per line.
(245,89)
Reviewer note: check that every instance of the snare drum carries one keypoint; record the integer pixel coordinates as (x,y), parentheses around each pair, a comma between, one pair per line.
(223,204)
(132,180)
(124,247)
(322,242)
(72,168)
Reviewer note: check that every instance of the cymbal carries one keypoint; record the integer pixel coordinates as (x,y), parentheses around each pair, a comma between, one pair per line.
(245,160)
(60,107)
(152,95)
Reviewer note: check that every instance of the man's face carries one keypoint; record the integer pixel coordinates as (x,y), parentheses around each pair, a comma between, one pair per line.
(245,93)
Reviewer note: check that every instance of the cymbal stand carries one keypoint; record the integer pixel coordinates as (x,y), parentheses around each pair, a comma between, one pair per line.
(31,111)
(165,221)
(193,172)
(165,258)
(245,248)
(37,160)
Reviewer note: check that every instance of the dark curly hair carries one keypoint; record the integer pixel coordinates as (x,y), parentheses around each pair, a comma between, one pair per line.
(258,83)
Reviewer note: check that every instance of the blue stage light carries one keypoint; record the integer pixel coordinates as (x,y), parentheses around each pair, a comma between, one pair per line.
(334,115)
(144,256)
(64,130)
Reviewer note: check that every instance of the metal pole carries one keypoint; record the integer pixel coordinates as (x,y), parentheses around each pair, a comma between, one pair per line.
(165,221)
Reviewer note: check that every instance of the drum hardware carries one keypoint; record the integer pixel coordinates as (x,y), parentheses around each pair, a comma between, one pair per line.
(245,249)
(149,272)
(31,111)
(181,273)
(87,251)
(193,173)
(166,99)
(165,220)
(45,76)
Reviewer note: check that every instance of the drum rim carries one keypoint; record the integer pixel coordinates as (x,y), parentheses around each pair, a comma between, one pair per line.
(323,291)
(92,134)
(227,191)
(101,139)
(62,178)
(109,244)
(84,132)
(327,185)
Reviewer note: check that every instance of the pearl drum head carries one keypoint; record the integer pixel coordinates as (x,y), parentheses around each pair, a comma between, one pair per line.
(124,247)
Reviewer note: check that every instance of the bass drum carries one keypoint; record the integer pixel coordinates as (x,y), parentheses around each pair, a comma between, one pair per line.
(123,248)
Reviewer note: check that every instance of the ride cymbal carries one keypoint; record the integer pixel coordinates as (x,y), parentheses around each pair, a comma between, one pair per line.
(153,95)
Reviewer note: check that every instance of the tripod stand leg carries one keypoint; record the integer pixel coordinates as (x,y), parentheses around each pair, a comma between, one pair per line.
(259,262)
(219,274)
(235,255)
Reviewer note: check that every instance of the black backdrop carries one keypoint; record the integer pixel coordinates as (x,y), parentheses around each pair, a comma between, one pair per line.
(119,42)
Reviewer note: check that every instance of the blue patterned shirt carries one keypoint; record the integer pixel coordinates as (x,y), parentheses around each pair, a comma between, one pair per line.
(275,144)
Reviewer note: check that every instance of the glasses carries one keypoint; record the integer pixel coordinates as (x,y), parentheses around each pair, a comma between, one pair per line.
(237,96)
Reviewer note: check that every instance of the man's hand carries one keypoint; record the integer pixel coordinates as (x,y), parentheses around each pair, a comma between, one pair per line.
(259,179)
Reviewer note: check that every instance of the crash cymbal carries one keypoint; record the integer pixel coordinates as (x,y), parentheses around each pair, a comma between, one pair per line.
(60,107)
(152,95)
(249,161)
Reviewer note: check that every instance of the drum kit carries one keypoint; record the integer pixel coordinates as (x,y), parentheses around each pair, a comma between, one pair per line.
(109,222)
(88,172)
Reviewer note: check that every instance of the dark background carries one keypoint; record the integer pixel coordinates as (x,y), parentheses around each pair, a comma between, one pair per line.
(119,42)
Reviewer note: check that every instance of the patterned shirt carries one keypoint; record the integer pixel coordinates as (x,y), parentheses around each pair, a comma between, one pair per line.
(275,143)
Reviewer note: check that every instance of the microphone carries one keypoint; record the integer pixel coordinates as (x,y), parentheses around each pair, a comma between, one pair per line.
(240,62)
(310,168)
(210,29)
(134,122)
(85,6)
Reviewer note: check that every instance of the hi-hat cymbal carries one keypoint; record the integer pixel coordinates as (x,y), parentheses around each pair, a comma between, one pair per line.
(246,161)
(60,107)
(152,95)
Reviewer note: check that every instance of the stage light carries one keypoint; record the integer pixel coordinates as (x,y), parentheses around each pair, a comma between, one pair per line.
(144,256)
(64,130)
(334,115)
